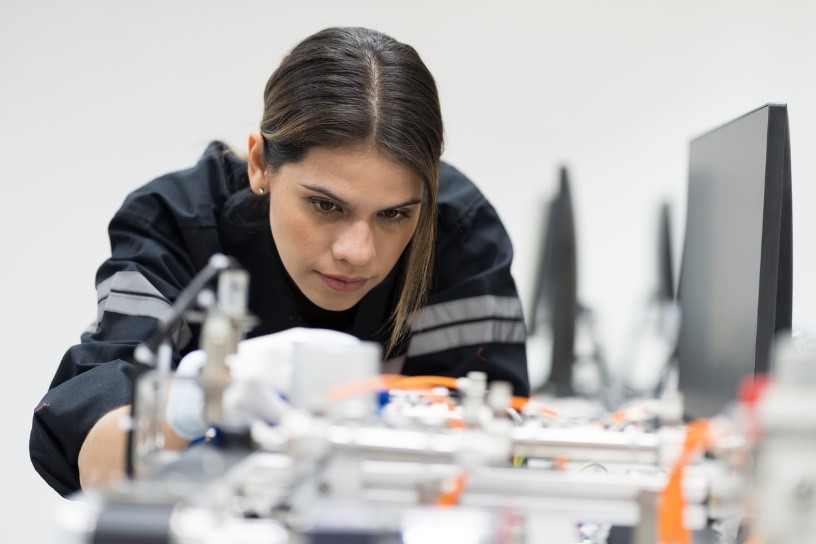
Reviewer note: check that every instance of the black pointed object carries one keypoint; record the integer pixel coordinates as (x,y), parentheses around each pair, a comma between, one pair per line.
(665,261)
(564,292)
(555,297)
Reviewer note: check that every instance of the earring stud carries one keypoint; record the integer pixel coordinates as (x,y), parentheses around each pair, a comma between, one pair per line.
(260,190)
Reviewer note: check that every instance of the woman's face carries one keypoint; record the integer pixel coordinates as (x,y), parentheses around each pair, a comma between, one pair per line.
(340,217)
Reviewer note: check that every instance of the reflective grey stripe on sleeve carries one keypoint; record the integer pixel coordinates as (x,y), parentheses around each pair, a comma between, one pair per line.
(393,365)
(467,334)
(128,304)
(467,309)
(131,281)
(130,293)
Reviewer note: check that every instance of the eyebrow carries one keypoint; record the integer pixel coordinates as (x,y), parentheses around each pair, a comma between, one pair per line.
(321,190)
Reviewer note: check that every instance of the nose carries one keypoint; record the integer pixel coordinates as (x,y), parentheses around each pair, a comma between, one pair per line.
(355,244)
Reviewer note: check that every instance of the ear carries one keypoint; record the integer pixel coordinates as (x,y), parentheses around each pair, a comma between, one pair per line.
(255,164)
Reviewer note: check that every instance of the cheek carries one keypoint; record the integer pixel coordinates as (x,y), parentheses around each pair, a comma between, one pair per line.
(296,236)
(397,244)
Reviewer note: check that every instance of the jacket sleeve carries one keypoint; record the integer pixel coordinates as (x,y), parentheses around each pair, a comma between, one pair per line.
(473,319)
(148,268)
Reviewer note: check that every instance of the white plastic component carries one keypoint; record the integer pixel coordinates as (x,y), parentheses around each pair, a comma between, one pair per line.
(556,530)
(233,291)
(269,358)
(320,366)
(794,365)
(670,407)
(193,525)
(473,390)
(185,399)
(498,397)
(670,445)
(539,355)
(76,520)
(260,373)
(785,475)
(446,525)
(480,448)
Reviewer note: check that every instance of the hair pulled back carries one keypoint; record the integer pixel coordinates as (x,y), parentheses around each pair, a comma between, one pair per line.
(355,86)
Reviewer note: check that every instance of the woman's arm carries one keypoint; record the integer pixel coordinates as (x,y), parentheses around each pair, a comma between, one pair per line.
(102,456)
(163,234)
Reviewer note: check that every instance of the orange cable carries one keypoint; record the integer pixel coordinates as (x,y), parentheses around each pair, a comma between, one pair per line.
(671,529)
(349,389)
(518,404)
(396,381)
(456,423)
(451,497)
(424,382)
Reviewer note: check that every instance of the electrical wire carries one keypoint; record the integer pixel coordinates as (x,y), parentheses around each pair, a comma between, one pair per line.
(423,383)
(672,503)
(451,496)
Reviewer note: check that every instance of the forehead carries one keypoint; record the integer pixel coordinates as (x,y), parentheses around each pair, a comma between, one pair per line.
(356,174)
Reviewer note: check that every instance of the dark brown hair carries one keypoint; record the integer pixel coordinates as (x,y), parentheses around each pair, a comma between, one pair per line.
(346,86)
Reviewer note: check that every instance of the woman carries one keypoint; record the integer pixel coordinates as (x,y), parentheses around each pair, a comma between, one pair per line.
(345,219)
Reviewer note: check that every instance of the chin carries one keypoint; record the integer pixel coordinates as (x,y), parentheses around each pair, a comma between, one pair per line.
(341,307)
(335,304)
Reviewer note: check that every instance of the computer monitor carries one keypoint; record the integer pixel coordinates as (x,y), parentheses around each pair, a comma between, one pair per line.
(555,297)
(735,279)
(665,259)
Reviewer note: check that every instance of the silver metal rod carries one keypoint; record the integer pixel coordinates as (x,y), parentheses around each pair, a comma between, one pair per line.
(586,445)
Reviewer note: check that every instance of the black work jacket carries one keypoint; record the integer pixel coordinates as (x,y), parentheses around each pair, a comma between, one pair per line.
(165,233)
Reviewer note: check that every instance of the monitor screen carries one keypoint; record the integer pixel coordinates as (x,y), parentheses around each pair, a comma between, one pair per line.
(555,303)
(665,266)
(735,279)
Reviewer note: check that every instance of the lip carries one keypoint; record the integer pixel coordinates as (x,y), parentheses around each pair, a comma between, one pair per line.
(341,283)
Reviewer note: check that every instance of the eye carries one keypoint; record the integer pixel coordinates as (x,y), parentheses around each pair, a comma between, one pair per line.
(394,216)
(324,207)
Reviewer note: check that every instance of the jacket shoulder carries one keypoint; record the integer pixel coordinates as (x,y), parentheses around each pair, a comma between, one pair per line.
(193,197)
(463,210)
(456,191)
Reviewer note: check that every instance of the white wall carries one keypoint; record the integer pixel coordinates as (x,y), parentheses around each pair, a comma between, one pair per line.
(97,97)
